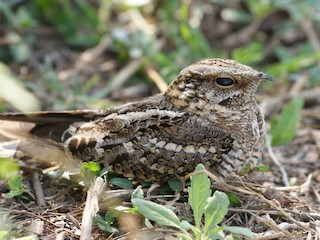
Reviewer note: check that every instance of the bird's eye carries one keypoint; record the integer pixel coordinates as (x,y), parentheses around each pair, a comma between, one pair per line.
(225,81)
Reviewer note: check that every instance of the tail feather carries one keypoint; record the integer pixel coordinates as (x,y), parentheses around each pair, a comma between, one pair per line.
(16,130)
(9,149)
(45,125)
(52,117)
(40,136)
(39,151)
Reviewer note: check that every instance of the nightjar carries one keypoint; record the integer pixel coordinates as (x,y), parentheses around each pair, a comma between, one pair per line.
(207,115)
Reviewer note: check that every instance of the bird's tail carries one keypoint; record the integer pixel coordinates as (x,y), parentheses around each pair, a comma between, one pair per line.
(39,136)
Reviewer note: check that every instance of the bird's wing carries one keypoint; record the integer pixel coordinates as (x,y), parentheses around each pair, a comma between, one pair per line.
(93,139)
(83,135)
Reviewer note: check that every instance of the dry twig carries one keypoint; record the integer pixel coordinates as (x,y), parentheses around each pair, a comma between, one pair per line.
(157,79)
(91,208)
(38,189)
(277,162)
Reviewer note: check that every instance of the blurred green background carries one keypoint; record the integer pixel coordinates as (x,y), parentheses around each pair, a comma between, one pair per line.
(64,54)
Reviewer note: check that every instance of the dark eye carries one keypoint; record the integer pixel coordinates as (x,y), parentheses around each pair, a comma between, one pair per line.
(225,81)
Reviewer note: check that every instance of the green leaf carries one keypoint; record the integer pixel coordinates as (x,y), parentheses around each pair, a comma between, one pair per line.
(109,217)
(104,171)
(175,185)
(137,193)
(8,167)
(3,234)
(15,186)
(91,166)
(15,182)
(121,182)
(89,171)
(234,200)
(239,230)
(259,9)
(216,233)
(215,210)
(12,194)
(105,225)
(199,193)
(283,130)
(186,225)
(155,212)
(244,170)
(97,219)
(261,168)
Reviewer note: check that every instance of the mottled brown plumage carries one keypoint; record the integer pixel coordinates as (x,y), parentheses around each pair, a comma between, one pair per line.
(208,115)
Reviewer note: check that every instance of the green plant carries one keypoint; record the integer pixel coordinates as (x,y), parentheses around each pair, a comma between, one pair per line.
(16,188)
(284,128)
(9,172)
(18,19)
(214,208)
(105,223)
(88,171)
(259,8)
(75,21)
(8,167)
(8,228)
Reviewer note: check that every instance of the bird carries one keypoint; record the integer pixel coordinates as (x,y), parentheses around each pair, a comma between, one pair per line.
(207,115)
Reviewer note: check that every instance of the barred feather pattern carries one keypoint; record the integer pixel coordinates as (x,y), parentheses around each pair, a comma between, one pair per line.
(207,115)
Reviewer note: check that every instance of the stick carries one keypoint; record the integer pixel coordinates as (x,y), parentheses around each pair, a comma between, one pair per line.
(38,189)
(91,208)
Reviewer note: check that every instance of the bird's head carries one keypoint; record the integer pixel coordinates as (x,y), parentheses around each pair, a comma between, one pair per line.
(215,81)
